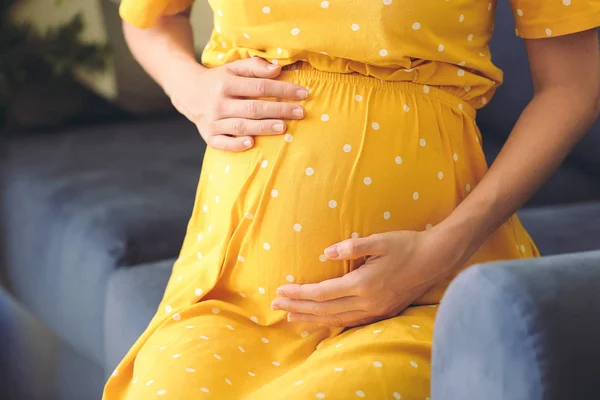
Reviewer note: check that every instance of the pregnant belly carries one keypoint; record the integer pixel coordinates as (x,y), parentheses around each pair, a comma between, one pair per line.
(369,157)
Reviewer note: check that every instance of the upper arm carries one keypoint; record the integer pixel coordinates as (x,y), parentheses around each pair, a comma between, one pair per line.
(535,19)
(146,13)
(571,60)
(562,43)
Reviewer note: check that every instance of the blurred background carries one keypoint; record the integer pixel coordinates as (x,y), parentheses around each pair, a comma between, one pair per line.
(97,175)
(65,61)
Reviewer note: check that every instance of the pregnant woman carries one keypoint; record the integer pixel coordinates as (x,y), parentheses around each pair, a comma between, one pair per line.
(344,185)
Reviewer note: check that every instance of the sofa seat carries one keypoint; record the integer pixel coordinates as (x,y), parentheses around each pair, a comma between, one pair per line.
(132,298)
(564,229)
(79,204)
(36,364)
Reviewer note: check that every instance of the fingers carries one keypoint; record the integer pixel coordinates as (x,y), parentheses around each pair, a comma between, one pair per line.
(322,291)
(247,127)
(228,143)
(352,249)
(258,109)
(227,122)
(263,88)
(316,308)
(344,319)
(263,84)
(254,67)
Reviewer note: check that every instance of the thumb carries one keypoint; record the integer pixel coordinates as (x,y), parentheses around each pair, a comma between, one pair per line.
(254,67)
(351,249)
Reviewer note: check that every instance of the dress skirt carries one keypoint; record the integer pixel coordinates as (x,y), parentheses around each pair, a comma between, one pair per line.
(371,156)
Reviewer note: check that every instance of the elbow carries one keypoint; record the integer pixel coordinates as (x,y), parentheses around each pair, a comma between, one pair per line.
(593,101)
(125,27)
(596,95)
(597,108)
(127,32)
(593,109)
(134,24)
(129,29)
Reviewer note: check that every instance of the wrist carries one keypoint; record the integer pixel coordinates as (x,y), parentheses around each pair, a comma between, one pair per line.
(177,74)
(466,228)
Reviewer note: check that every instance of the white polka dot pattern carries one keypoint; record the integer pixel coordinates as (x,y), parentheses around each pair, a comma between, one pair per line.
(365,160)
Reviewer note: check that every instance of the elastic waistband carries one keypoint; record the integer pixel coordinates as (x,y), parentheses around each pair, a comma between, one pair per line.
(303,70)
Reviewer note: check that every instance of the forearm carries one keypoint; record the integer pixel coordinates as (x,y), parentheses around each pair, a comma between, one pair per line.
(164,50)
(551,125)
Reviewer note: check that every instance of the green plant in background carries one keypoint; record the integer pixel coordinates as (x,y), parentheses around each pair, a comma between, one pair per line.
(28,56)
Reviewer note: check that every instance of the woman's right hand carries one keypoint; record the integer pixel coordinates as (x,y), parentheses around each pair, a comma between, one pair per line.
(224,102)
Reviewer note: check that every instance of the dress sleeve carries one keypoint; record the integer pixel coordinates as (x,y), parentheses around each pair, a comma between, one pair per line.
(545,18)
(145,13)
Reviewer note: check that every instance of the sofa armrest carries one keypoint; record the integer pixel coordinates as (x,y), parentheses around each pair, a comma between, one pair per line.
(78,204)
(36,365)
(526,329)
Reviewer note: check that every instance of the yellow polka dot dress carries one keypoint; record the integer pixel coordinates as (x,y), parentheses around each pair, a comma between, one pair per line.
(389,143)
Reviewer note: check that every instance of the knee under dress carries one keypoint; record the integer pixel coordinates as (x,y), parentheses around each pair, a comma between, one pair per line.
(389,142)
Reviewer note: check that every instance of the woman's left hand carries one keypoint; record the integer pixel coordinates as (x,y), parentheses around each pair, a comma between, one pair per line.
(400,267)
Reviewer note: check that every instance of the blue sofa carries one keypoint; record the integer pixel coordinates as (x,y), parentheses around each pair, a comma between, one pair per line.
(91,220)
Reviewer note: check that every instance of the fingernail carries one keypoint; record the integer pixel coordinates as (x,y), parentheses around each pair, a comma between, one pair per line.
(302,94)
(298,112)
(331,252)
(289,318)
(248,143)
(278,127)
(280,292)
(274,307)
(272,66)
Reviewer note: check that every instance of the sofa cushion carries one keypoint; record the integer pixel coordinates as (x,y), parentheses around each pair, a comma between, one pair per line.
(77,204)
(132,298)
(563,229)
(569,184)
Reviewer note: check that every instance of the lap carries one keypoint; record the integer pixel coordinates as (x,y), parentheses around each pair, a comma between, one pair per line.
(227,357)
(389,359)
